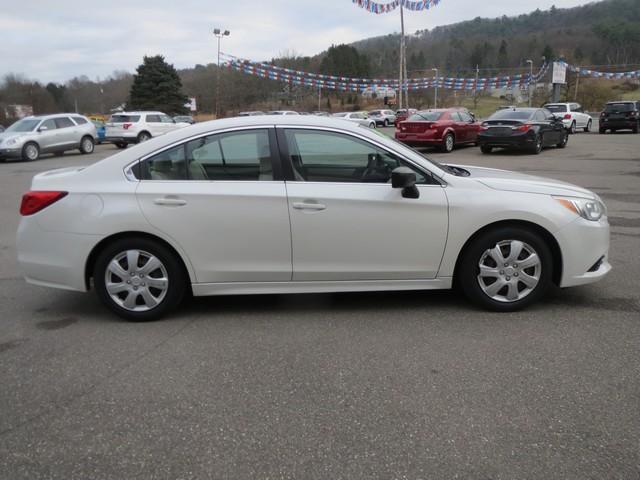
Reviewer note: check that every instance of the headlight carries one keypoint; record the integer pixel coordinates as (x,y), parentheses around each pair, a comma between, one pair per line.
(589,209)
(11,141)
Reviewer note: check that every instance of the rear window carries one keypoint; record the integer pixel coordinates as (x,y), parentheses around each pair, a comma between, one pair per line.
(511,115)
(124,118)
(620,107)
(425,117)
(79,120)
(556,108)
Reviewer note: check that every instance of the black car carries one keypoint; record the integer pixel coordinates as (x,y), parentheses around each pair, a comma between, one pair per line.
(620,116)
(522,128)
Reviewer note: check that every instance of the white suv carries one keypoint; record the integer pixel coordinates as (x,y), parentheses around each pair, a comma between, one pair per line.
(573,117)
(136,127)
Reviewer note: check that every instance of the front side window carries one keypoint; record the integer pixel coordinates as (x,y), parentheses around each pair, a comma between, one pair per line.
(243,155)
(334,157)
(465,117)
(64,122)
(166,119)
(49,124)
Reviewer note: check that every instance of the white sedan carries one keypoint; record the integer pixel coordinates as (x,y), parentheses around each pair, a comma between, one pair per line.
(252,205)
(360,118)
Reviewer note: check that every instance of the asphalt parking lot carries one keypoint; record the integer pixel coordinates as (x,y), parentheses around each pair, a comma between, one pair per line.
(416,385)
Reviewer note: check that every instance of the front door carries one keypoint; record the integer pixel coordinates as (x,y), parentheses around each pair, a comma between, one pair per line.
(221,200)
(348,223)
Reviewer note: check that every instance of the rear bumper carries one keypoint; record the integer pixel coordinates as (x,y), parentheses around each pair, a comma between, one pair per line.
(53,259)
(605,123)
(522,140)
(419,139)
(133,138)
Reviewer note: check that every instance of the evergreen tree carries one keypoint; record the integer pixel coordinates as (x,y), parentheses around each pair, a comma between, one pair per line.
(503,56)
(157,86)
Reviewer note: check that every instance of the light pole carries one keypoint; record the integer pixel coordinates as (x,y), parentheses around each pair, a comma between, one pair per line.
(530,62)
(435,94)
(219,34)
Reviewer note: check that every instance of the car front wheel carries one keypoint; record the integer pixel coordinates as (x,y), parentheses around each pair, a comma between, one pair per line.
(506,269)
(30,152)
(139,279)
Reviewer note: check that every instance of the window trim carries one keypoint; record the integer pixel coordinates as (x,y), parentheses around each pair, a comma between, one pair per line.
(285,158)
(133,171)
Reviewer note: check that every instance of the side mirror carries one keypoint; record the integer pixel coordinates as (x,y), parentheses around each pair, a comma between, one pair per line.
(405,178)
(43,129)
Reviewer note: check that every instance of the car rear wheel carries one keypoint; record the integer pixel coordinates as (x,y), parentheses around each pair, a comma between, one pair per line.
(372,125)
(563,142)
(139,279)
(121,145)
(386,122)
(635,128)
(486,149)
(448,143)
(31,152)
(572,128)
(143,137)
(588,127)
(87,145)
(602,130)
(506,269)
(537,145)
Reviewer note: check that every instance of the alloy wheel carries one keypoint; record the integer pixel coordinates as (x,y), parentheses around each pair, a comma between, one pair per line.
(448,143)
(509,271)
(87,145)
(136,280)
(31,152)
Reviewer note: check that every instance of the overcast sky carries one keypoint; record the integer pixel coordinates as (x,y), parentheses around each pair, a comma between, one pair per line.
(55,41)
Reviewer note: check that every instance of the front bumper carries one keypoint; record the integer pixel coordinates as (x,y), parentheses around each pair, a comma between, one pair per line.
(584,245)
(11,152)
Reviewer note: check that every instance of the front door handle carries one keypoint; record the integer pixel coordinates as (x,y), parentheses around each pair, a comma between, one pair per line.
(169,201)
(308,206)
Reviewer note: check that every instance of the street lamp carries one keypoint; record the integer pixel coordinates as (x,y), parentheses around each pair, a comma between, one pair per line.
(219,34)
(530,62)
(435,95)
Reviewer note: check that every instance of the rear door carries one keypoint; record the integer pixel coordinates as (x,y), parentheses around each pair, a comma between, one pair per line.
(154,124)
(347,223)
(66,132)
(222,199)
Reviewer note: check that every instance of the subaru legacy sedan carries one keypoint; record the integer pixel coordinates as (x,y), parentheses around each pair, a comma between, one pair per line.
(256,205)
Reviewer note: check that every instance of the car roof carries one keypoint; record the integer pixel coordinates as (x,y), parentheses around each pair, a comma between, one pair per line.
(53,115)
(140,112)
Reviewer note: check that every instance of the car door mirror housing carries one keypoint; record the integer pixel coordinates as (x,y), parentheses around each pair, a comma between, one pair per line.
(405,178)
(43,129)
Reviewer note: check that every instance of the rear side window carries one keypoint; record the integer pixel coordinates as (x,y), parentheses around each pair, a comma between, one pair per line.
(239,156)
(64,122)
(79,120)
(124,118)
(153,118)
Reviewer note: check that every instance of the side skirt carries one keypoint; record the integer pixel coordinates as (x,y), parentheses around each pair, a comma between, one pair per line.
(245,288)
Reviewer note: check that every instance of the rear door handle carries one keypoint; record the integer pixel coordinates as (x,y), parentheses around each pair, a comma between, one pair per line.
(170,202)
(308,206)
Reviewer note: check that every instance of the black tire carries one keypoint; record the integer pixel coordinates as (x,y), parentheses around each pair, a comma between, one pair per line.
(448,142)
(486,148)
(143,137)
(121,145)
(30,152)
(572,128)
(176,286)
(386,122)
(587,129)
(602,131)
(87,145)
(469,268)
(537,146)
(635,128)
(563,142)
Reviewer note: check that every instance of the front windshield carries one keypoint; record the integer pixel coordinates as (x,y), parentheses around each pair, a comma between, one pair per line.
(24,125)
(425,116)
(556,108)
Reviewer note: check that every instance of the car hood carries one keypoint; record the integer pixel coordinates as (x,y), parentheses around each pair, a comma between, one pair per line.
(521,182)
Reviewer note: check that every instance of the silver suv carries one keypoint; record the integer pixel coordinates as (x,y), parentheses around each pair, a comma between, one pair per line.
(28,138)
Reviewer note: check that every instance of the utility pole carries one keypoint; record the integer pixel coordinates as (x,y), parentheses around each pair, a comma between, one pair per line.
(219,34)
(402,66)
(435,94)
(530,62)
(575,95)
(475,89)
(319,97)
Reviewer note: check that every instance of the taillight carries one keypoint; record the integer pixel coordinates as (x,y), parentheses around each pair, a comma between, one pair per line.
(634,114)
(33,202)
(403,128)
(602,114)
(567,116)
(126,125)
(523,128)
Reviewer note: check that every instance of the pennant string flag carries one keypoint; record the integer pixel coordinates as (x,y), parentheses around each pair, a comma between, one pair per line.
(379,8)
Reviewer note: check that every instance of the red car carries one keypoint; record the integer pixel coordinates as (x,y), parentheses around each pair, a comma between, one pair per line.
(401,115)
(443,128)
